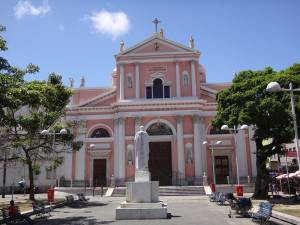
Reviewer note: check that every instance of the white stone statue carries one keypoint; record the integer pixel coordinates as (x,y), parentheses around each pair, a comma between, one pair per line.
(141,141)
(191,44)
(82,81)
(71,82)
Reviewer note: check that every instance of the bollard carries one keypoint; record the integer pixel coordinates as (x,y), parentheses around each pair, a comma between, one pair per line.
(204,179)
(228,181)
(249,180)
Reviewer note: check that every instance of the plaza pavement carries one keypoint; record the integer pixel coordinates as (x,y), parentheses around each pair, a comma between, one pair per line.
(185,210)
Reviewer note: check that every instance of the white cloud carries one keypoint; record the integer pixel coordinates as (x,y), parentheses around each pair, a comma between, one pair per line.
(24,8)
(61,27)
(113,24)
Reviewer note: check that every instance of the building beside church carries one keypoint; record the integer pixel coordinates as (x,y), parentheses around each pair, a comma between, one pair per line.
(161,85)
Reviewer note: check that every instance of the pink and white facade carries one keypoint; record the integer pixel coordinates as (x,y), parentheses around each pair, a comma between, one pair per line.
(158,84)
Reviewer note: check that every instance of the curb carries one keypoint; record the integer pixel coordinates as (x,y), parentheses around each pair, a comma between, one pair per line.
(285,217)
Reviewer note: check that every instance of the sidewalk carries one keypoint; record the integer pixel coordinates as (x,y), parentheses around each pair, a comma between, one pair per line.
(279,204)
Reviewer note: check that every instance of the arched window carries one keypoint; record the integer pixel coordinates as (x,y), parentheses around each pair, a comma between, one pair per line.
(158,89)
(159,129)
(100,133)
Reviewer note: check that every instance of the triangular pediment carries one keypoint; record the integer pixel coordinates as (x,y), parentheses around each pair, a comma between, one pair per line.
(100,100)
(157,44)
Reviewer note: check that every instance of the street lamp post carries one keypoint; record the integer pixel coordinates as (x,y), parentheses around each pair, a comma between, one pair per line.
(212,145)
(275,87)
(63,131)
(235,129)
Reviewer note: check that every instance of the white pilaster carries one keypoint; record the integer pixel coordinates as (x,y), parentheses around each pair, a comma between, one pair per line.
(122,82)
(252,151)
(180,148)
(202,147)
(121,145)
(178,94)
(241,153)
(197,147)
(67,173)
(116,148)
(194,93)
(137,80)
(80,163)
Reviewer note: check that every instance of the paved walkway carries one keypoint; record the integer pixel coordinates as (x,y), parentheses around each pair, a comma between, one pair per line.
(187,210)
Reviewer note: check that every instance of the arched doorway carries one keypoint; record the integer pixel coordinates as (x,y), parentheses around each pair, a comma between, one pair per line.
(160,154)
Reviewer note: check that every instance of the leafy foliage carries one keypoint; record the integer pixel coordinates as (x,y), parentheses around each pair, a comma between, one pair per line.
(27,108)
(248,102)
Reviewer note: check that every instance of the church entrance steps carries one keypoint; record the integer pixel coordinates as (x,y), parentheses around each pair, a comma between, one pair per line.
(168,191)
(121,191)
(87,190)
(181,190)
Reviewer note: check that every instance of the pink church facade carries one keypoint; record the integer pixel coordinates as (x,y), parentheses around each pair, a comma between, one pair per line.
(159,84)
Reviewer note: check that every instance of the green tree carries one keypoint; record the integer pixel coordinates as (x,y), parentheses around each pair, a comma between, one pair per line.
(9,77)
(26,109)
(247,102)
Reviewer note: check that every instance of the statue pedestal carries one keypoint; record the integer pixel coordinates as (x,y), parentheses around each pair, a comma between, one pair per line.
(142,200)
(142,192)
(142,176)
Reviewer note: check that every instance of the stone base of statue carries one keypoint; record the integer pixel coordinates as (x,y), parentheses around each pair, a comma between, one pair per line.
(142,200)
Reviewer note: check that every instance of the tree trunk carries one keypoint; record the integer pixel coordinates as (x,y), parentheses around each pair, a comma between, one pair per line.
(4,174)
(31,180)
(262,178)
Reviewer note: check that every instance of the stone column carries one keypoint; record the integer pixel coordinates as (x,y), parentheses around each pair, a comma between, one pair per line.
(178,94)
(121,145)
(122,81)
(180,148)
(197,150)
(194,93)
(116,148)
(137,124)
(241,155)
(137,80)
(81,154)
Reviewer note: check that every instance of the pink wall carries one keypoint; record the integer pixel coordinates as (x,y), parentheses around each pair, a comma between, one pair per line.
(129,126)
(188,126)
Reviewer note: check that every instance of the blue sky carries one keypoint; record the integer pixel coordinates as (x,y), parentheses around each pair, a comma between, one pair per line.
(75,38)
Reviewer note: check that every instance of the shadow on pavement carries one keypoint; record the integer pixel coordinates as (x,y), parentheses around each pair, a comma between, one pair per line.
(79,220)
(86,204)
